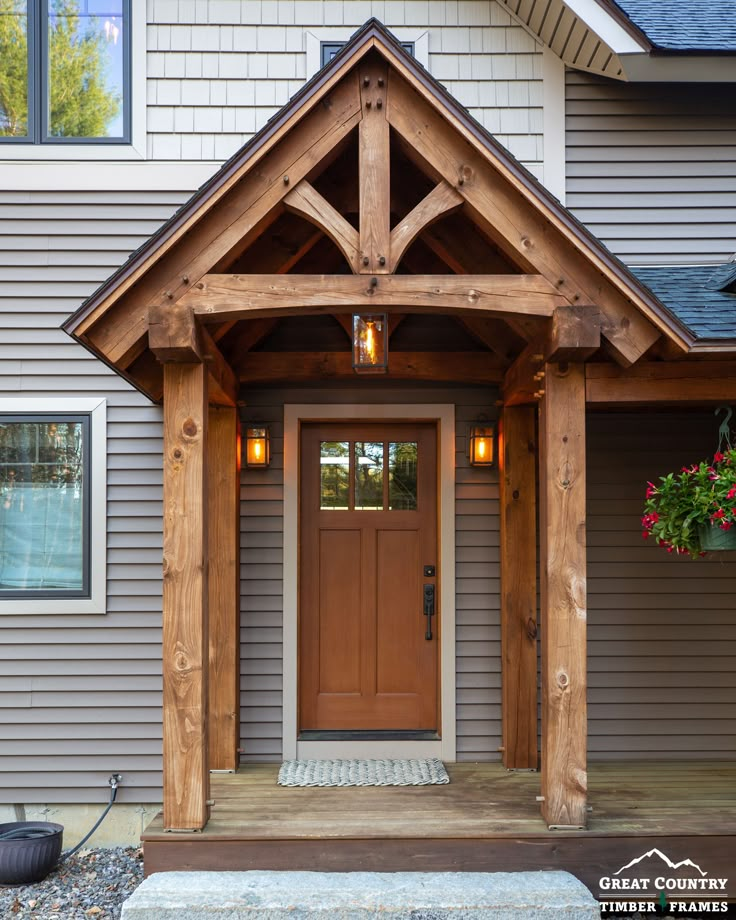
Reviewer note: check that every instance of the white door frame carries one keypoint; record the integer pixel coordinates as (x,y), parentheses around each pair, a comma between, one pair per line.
(444,415)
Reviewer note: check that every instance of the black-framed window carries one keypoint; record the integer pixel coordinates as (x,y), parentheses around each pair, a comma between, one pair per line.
(65,71)
(44,506)
(329,49)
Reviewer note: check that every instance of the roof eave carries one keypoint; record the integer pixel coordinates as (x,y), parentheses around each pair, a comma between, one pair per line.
(373,34)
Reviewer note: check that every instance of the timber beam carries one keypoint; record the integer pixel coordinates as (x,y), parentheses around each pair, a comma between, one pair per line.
(563,596)
(175,337)
(185,598)
(218,298)
(518,460)
(573,335)
(254,196)
(519,228)
(671,383)
(311,366)
(223,539)
(442,200)
(306,201)
(374,169)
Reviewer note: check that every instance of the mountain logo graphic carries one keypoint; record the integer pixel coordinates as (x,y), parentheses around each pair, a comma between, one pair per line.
(665,859)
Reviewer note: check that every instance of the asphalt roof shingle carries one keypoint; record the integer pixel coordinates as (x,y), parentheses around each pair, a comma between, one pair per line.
(693,295)
(685,25)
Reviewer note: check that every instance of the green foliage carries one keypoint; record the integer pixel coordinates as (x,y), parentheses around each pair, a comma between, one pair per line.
(701,494)
(80,103)
(13,70)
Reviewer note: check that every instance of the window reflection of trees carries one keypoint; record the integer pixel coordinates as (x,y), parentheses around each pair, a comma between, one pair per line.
(372,463)
(334,475)
(402,486)
(41,504)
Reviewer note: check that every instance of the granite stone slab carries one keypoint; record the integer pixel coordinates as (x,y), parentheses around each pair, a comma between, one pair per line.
(262,895)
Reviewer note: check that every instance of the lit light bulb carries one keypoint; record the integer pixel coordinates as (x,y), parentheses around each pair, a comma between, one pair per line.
(481,448)
(370,341)
(257,448)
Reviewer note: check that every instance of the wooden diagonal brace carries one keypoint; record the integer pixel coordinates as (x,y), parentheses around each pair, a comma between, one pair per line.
(306,201)
(442,200)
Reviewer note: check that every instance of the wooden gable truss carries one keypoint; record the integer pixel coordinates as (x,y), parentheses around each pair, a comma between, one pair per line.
(373,190)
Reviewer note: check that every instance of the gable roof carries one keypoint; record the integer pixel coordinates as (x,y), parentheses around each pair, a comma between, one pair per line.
(684,25)
(636,312)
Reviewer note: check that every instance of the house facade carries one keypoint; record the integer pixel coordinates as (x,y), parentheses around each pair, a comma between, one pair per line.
(619,117)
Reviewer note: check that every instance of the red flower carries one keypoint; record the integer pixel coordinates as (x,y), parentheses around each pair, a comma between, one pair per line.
(718,515)
(717,458)
(732,493)
(670,549)
(651,489)
(726,525)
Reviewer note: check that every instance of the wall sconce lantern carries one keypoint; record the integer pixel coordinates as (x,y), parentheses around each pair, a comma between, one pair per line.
(257,448)
(482,444)
(370,343)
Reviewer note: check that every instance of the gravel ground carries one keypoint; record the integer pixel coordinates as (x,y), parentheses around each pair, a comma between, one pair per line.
(91,885)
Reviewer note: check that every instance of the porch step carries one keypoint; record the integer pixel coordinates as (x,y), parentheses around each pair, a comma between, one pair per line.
(261,895)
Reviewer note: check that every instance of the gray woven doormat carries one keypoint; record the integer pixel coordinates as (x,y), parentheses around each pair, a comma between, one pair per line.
(424,772)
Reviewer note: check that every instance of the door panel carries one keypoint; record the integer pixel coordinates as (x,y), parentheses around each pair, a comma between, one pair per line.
(397,583)
(368,526)
(339,633)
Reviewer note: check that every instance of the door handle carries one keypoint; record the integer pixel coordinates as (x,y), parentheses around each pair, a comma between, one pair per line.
(428,609)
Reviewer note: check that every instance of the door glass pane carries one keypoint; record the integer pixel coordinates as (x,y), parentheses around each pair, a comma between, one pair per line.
(14,69)
(368,476)
(85,68)
(334,460)
(402,476)
(41,505)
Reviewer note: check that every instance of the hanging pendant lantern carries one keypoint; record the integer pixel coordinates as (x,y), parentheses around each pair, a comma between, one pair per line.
(370,343)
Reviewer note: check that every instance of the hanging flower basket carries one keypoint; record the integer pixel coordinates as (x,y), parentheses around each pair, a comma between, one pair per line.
(714,539)
(694,511)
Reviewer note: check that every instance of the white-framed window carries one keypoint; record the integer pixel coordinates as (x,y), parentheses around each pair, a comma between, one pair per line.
(323,44)
(72,79)
(53,476)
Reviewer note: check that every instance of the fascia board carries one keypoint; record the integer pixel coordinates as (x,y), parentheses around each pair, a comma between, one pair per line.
(618,39)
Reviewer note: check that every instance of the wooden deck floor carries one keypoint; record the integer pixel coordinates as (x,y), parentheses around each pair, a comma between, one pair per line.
(485,818)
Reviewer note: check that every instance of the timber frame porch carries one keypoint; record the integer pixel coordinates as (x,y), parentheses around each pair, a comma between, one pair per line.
(486,819)
(306,221)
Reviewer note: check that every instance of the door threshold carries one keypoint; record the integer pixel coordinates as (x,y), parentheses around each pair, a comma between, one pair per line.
(356,735)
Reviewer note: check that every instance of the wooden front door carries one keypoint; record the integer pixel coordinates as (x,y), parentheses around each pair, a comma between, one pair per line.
(368,529)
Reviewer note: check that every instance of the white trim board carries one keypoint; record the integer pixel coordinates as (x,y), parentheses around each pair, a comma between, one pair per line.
(314,38)
(96,602)
(553,123)
(444,415)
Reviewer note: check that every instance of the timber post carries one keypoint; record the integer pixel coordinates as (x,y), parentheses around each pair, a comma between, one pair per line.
(185,598)
(563,596)
(223,538)
(517,456)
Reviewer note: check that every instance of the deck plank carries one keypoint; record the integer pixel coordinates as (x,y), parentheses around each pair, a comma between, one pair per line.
(481,801)
(485,820)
